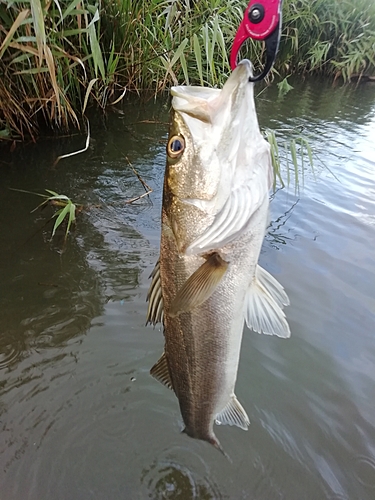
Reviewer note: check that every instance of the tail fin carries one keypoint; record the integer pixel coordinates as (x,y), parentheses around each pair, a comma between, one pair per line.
(216,443)
(212,439)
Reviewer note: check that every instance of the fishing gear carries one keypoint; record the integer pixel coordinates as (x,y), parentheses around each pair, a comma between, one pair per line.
(262,21)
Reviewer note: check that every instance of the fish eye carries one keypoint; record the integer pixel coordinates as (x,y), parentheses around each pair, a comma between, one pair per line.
(176,146)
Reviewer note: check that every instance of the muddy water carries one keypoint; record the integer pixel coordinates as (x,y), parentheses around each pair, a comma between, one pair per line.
(81,418)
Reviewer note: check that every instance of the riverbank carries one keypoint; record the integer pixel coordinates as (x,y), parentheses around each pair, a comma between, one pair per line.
(57,58)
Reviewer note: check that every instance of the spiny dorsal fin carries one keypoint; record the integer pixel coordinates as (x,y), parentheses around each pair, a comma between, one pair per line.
(262,313)
(233,414)
(155,298)
(200,286)
(272,286)
(160,372)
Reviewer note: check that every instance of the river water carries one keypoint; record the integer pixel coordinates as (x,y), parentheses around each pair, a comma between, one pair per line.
(80,416)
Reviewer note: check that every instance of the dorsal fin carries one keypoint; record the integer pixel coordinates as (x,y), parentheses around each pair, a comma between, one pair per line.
(155,298)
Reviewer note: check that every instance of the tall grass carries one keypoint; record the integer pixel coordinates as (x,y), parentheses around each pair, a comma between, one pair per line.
(332,37)
(58,55)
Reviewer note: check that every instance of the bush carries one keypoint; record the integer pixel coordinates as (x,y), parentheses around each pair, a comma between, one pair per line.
(56,56)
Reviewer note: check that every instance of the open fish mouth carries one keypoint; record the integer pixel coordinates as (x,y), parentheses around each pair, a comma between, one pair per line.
(204,103)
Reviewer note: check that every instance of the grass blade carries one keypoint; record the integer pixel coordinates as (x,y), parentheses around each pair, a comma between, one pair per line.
(19,20)
(60,217)
(39,28)
(198,57)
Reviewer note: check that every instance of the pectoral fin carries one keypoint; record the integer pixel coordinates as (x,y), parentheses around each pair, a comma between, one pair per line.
(262,312)
(160,371)
(155,298)
(233,218)
(200,286)
(233,414)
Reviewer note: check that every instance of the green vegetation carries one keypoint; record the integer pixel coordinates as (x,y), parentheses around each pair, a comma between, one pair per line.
(56,56)
(65,209)
(293,155)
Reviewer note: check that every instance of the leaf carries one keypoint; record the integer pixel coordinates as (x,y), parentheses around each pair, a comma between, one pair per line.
(60,217)
(88,92)
(119,98)
(184,68)
(59,9)
(198,57)
(178,52)
(72,218)
(80,150)
(284,87)
(24,48)
(51,192)
(29,192)
(293,152)
(52,73)
(39,28)
(59,197)
(95,47)
(32,71)
(4,133)
(20,18)
(69,9)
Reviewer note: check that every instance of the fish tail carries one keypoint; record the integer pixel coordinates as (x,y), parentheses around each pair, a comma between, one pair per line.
(212,439)
(216,443)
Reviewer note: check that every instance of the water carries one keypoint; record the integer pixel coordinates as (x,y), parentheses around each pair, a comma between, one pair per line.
(80,416)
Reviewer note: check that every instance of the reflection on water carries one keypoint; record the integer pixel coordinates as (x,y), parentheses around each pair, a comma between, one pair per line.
(278,232)
(80,417)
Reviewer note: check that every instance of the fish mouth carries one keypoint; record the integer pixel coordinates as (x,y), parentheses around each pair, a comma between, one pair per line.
(204,103)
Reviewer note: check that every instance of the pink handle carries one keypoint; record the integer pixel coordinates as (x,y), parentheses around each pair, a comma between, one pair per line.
(270,9)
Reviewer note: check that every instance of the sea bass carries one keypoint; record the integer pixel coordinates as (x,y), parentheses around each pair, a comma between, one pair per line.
(207,281)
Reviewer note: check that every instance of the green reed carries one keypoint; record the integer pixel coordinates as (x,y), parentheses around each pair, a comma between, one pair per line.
(65,210)
(58,56)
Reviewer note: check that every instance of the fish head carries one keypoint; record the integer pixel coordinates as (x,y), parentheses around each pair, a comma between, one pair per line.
(214,144)
(211,132)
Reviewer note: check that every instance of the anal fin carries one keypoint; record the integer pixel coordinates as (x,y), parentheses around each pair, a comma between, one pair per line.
(160,371)
(263,313)
(272,286)
(233,414)
(200,286)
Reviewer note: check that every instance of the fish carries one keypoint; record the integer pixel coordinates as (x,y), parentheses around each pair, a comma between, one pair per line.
(207,281)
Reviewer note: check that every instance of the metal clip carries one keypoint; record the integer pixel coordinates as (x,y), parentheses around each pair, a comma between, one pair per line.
(262,21)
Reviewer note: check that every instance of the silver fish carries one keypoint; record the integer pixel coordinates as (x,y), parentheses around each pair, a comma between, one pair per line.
(207,281)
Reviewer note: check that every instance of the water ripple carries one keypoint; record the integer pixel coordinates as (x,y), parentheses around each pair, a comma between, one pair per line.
(168,478)
(10,350)
(364,471)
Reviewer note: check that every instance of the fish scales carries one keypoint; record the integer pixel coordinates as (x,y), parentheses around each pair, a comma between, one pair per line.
(214,217)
